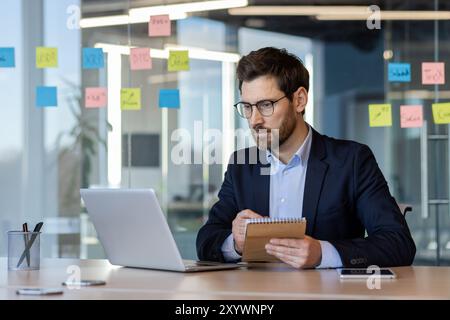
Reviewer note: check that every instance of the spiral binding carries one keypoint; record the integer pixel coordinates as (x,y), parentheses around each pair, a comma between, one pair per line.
(275,220)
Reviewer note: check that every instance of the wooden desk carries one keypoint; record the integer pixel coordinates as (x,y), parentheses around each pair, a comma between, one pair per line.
(274,282)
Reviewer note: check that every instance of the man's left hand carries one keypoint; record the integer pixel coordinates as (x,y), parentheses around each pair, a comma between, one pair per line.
(299,253)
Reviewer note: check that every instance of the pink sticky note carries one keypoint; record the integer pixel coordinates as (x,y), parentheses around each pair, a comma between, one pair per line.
(433,73)
(95,97)
(140,59)
(411,116)
(159,26)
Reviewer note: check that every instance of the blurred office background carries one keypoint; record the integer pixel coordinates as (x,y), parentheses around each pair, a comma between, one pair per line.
(47,154)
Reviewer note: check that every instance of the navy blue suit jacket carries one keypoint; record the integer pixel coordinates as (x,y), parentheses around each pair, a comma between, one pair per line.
(345,195)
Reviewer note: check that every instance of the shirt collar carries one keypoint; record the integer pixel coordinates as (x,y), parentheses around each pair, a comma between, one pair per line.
(302,154)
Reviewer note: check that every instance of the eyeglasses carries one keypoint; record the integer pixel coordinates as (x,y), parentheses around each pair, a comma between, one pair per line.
(265,107)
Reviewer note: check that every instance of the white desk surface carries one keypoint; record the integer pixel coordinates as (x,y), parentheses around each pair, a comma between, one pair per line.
(276,281)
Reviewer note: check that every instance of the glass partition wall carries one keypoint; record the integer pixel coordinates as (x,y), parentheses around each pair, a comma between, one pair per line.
(47,154)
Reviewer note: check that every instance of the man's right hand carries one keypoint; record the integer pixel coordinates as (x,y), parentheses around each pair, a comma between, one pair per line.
(239,228)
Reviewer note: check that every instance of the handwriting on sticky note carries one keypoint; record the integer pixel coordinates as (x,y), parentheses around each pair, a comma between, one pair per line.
(130,99)
(159,26)
(46,57)
(441,112)
(433,73)
(96,97)
(140,59)
(399,72)
(46,96)
(178,60)
(169,98)
(93,58)
(380,115)
(7,58)
(411,116)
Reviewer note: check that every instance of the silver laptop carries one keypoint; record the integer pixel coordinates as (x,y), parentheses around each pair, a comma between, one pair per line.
(134,232)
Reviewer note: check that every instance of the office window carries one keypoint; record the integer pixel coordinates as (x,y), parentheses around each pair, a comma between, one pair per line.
(48,154)
(11,124)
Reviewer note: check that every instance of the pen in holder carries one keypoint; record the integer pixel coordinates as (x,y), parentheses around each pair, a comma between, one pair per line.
(24,250)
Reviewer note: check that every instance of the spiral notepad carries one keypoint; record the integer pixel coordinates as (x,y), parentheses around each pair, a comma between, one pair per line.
(260,231)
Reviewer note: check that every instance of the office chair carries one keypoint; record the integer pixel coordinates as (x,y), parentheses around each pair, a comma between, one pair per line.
(404,208)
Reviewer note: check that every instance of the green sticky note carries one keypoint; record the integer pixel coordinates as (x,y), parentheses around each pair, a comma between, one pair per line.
(380,115)
(178,60)
(130,99)
(46,57)
(441,112)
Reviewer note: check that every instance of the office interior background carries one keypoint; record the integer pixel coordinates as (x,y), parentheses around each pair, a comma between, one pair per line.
(48,154)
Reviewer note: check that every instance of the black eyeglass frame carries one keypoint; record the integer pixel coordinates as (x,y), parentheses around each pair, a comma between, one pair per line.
(258,106)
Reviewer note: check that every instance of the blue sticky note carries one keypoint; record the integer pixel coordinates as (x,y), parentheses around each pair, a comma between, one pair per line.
(46,97)
(399,72)
(7,59)
(169,98)
(93,58)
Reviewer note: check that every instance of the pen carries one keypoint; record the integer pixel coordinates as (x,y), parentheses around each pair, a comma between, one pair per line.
(37,228)
(25,239)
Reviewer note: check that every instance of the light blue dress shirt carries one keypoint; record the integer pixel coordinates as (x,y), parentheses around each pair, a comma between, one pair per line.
(287,186)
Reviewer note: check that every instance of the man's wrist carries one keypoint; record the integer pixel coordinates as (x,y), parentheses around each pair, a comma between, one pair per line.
(236,249)
(319,260)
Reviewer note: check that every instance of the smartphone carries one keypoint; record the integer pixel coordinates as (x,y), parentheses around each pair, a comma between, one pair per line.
(362,273)
(84,283)
(39,291)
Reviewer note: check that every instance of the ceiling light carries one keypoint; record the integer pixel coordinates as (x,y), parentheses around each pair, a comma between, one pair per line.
(122,20)
(296,10)
(390,15)
(175,12)
(194,53)
(200,6)
(338,12)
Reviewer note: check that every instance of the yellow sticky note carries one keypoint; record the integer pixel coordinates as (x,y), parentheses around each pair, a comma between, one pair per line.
(178,60)
(441,113)
(130,99)
(380,115)
(46,57)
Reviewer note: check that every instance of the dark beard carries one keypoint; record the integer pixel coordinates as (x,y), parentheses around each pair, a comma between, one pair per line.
(287,127)
(286,130)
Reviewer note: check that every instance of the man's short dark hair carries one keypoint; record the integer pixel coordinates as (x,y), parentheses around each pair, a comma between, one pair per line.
(285,67)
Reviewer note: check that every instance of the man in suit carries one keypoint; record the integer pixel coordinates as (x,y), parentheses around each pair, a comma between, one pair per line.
(335,184)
